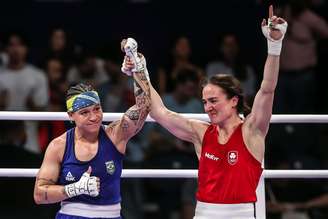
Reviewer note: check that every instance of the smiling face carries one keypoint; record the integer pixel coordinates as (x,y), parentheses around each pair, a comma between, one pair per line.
(217,105)
(88,119)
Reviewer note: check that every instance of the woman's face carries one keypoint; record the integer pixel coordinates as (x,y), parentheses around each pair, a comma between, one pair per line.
(217,105)
(88,118)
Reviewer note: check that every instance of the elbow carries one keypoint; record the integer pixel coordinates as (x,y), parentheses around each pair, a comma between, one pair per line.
(157,113)
(267,89)
(37,199)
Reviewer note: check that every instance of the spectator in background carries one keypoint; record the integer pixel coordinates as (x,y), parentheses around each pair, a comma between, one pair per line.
(177,154)
(116,93)
(87,69)
(315,208)
(58,85)
(298,79)
(23,86)
(299,59)
(180,58)
(59,47)
(3,55)
(12,154)
(284,196)
(232,62)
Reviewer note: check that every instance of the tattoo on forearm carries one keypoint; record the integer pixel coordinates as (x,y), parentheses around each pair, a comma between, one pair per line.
(133,114)
(137,89)
(142,75)
(141,101)
(48,181)
(112,125)
(125,126)
(138,113)
(63,191)
(46,194)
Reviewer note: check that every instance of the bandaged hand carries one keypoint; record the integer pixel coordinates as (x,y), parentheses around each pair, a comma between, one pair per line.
(130,47)
(274,31)
(87,185)
(133,61)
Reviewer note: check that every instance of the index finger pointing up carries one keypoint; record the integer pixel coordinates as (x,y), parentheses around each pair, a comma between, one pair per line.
(270,11)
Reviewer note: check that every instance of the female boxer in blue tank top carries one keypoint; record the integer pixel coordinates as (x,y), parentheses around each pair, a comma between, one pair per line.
(82,168)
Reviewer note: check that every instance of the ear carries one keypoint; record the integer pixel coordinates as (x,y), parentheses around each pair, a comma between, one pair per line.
(234,100)
(70,116)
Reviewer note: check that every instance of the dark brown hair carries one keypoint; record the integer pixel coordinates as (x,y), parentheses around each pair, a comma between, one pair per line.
(78,89)
(232,88)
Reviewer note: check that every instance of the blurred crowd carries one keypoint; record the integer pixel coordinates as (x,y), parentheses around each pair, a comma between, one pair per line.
(33,80)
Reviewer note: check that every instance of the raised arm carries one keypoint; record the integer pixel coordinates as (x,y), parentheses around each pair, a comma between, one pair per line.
(183,128)
(262,108)
(134,118)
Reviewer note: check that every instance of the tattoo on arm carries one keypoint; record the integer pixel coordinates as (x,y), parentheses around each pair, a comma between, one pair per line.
(142,76)
(46,194)
(125,126)
(137,89)
(142,95)
(47,181)
(133,114)
(63,192)
(112,126)
(138,113)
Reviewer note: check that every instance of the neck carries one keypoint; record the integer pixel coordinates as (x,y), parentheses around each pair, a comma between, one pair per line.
(230,124)
(83,135)
(16,65)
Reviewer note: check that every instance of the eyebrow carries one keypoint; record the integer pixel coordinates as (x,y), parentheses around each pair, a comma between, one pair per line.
(211,98)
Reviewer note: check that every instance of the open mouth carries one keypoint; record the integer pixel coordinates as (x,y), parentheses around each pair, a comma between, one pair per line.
(213,114)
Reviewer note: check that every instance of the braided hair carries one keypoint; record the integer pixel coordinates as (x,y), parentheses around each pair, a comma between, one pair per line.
(78,89)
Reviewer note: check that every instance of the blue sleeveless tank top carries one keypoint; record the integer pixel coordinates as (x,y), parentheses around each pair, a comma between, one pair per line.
(106,164)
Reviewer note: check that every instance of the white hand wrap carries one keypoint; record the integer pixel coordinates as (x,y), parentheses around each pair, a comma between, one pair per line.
(274,46)
(125,70)
(86,185)
(131,50)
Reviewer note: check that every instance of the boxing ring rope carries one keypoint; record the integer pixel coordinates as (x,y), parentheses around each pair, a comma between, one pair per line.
(62,116)
(168,173)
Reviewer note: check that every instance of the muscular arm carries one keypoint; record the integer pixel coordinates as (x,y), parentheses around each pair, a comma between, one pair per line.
(134,118)
(45,189)
(260,116)
(262,107)
(183,128)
